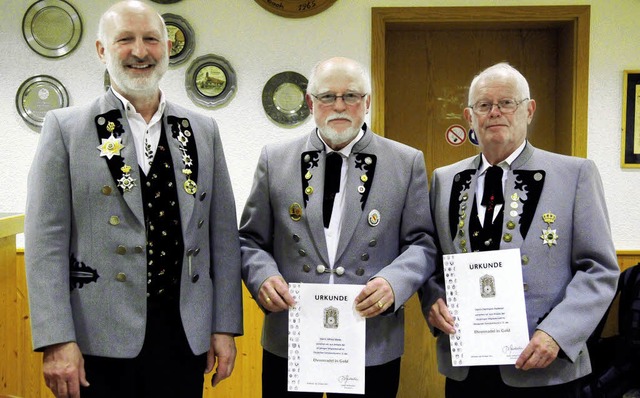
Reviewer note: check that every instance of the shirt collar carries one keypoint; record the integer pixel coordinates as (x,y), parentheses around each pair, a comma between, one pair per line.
(130,109)
(347,149)
(505,164)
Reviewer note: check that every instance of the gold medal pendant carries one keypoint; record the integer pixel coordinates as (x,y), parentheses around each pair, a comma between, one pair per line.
(190,186)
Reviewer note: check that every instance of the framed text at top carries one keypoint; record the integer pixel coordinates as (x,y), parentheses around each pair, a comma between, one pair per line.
(631,119)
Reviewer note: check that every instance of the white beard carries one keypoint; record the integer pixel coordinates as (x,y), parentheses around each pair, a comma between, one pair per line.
(334,137)
(138,86)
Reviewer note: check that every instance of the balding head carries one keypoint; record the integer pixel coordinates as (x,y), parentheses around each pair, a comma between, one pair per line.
(132,8)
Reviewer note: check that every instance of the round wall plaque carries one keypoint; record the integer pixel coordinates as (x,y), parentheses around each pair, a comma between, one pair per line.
(52,28)
(183,40)
(295,8)
(283,98)
(38,95)
(210,81)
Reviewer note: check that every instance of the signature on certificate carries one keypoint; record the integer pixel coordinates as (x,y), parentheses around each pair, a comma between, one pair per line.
(347,381)
(512,349)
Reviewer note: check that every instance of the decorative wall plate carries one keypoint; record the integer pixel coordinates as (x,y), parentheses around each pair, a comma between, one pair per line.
(52,28)
(283,98)
(38,95)
(210,81)
(295,8)
(183,39)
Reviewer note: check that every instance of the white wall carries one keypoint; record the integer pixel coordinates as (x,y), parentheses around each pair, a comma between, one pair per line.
(259,44)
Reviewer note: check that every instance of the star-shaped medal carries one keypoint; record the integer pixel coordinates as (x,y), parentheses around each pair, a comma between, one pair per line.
(110,147)
(126,183)
(549,237)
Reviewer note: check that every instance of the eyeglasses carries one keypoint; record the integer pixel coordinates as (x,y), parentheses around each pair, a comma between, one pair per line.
(348,98)
(506,106)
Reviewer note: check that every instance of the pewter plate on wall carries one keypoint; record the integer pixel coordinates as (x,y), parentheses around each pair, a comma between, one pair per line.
(183,39)
(52,28)
(38,95)
(283,98)
(210,81)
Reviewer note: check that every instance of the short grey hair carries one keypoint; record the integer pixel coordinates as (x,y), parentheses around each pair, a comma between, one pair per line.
(502,69)
(365,80)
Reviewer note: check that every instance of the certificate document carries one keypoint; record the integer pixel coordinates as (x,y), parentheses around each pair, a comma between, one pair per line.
(485,295)
(326,339)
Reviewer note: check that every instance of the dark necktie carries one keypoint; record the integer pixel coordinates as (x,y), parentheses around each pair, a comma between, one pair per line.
(332,173)
(492,195)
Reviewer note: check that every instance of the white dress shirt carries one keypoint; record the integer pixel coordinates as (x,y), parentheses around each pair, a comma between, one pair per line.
(332,233)
(143,131)
(505,165)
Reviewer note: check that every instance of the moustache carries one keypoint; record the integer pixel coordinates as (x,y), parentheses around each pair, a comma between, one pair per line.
(339,116)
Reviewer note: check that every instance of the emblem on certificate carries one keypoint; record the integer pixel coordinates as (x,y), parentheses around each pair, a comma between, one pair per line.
(487,286)
(331,318)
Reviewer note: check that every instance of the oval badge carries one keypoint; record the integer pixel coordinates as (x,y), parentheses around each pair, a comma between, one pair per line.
(374,217)
(295,212)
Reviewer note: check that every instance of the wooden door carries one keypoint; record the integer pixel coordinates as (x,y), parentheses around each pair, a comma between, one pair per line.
(428,76)
(423,60)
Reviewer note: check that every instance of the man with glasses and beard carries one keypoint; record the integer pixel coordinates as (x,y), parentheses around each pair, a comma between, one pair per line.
(549,206)
(132,250)
(339,205)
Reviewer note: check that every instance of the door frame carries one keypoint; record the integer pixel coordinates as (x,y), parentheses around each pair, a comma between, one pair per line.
(571,21)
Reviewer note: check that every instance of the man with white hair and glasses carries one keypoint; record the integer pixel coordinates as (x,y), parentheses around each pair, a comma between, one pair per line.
(339,205)
(552,208)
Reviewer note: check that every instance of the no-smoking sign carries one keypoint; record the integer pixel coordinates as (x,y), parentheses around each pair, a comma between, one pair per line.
(456,135)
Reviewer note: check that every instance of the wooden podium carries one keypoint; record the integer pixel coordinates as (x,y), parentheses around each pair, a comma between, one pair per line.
(20,367)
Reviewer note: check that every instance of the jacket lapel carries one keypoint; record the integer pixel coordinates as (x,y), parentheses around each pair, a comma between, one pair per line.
(118,150)
(184,154)
(361,168)
(312,169)
(522,195)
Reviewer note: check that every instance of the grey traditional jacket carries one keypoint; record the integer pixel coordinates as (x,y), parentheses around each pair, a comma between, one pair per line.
(555,213)
(85,232)
(386,229)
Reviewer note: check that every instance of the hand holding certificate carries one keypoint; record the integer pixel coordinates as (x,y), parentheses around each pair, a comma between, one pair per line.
(326,339)
(485,295)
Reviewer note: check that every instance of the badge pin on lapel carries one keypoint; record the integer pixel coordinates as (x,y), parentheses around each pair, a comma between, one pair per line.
(374,218)
(295,211)
(549,236)
(190,186)
(126,183)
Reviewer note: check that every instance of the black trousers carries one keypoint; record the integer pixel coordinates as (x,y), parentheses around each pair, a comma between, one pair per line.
(380,381)
(485,381)
(166,366)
